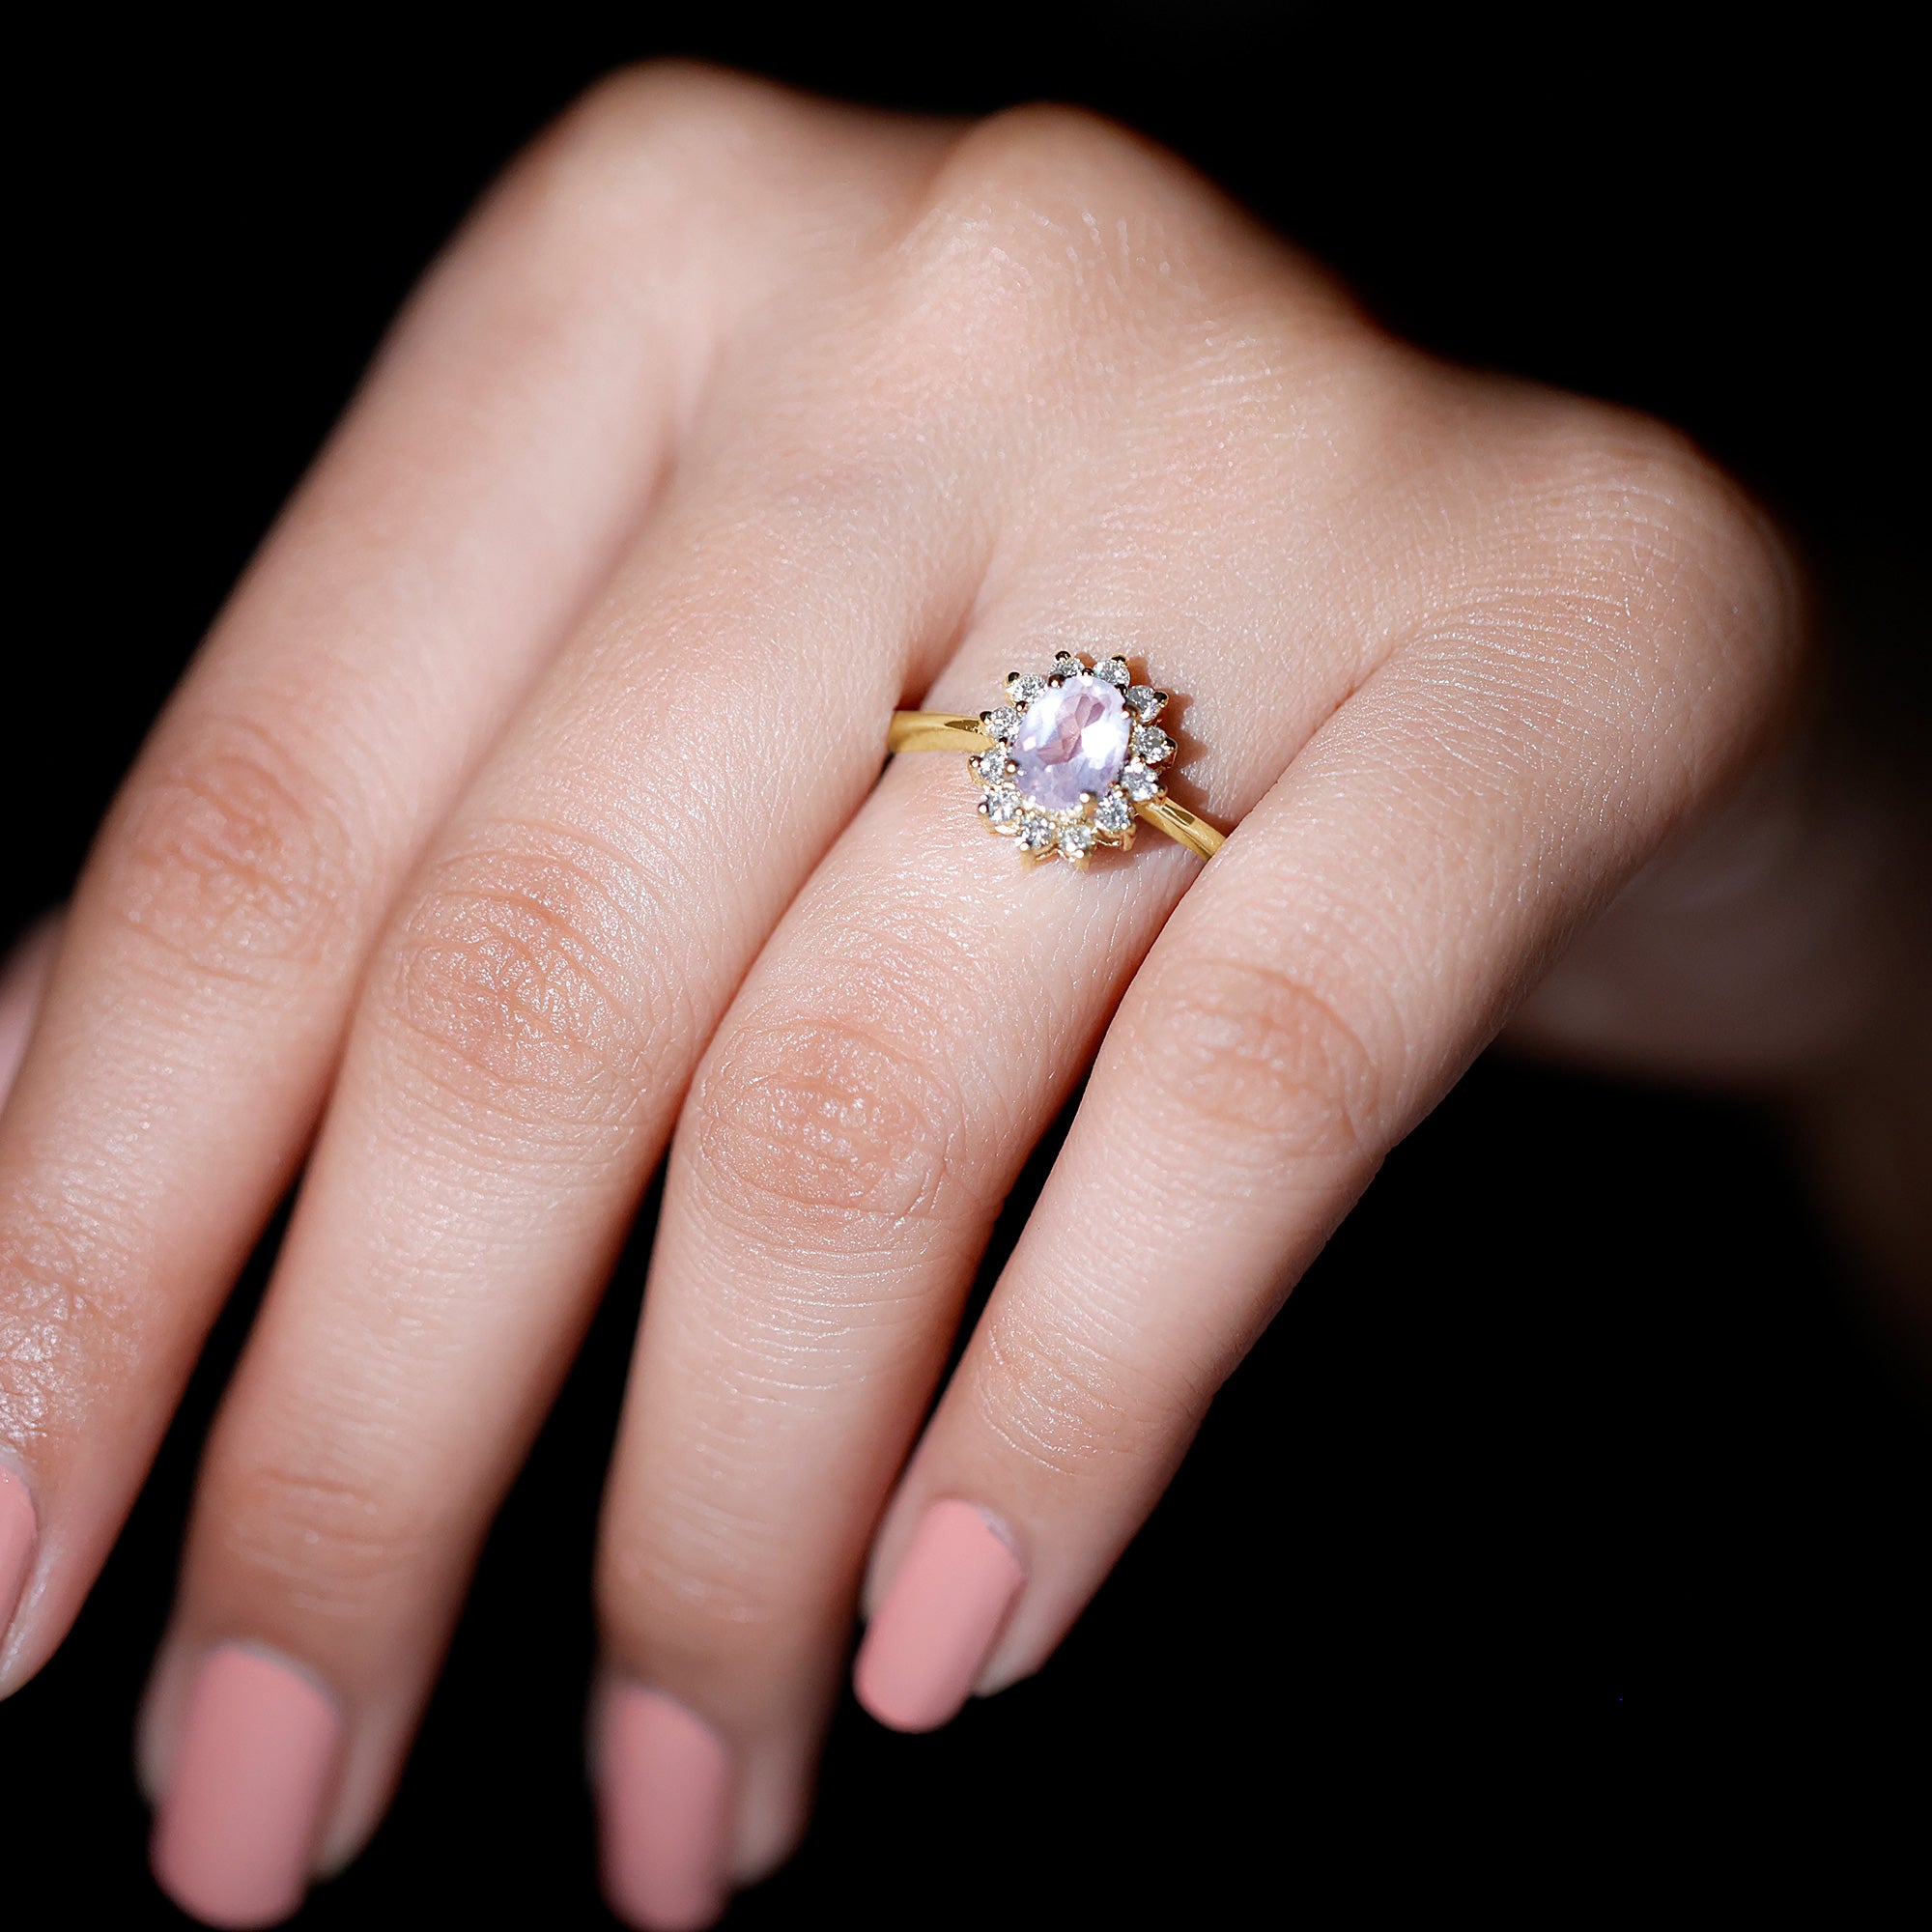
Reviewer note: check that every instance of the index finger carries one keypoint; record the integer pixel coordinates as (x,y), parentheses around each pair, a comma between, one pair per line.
(508,440)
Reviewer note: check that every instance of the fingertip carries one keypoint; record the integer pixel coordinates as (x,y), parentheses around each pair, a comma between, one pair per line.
(665,1805)
(941,1615)
(235,1833)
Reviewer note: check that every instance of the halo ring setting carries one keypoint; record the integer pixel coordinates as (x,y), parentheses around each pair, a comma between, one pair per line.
(1069,763)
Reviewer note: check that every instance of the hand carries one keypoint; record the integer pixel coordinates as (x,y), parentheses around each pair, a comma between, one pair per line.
(525,808)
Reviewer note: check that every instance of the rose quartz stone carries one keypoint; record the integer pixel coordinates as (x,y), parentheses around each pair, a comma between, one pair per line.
(1071,740)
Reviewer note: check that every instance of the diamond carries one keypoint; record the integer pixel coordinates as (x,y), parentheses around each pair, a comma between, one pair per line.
(1112,814)
(1023,687)
(1144,701)
(1151,745)
(1002,722)
(1073,740)
(992,765)
(1067,664)
(1113,671)
(1138,783)
(1038,833)
(1003,805)
(1076,840)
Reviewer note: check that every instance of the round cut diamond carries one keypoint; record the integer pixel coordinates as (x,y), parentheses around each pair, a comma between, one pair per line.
(1025,686)
(1114,671)
(1151,745)
(1146,702)
(1067,664)
(1076,840)
(992,765)
(1138,783)
(1003,805)
(1072,740)
(1002,722)
(1036,833)
(1112,814)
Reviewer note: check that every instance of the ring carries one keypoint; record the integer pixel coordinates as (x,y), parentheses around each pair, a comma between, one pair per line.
(1067,762)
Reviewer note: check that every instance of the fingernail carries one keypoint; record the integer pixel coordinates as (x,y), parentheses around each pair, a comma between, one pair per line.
(19,1527)
(665,1799)
(23,978)
(931,1634)
(237,1828)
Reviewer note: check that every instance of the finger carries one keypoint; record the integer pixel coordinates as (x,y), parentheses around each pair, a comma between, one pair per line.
(909,1030)
(527,1031)
(22,983)
(1358,940)
(504,444)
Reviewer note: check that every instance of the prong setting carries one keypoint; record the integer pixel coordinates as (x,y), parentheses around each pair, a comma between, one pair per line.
(1023,775)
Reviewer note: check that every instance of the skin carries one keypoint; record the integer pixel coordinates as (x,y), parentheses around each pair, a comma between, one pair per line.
(521,821)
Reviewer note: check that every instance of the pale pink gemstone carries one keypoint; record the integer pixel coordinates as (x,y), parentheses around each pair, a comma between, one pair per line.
(1071,740)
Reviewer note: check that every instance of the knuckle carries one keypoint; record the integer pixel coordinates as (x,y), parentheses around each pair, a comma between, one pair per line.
(698,1588)
(324,1543)
(817,1135)
(1046,161)
(684,191)
(234,857)
(1672,549)
(1254,1062)
(660,101)
(511,980)
(1058,1397)
(1047,226)
(1073,262)
(674,144)
(713,1581)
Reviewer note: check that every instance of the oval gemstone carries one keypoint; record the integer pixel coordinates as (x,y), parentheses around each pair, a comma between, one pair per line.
(1071,740)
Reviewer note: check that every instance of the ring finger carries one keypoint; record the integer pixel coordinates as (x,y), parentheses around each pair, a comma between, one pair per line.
(907,1033)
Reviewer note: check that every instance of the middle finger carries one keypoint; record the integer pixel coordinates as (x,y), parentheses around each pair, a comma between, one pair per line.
(907,1033)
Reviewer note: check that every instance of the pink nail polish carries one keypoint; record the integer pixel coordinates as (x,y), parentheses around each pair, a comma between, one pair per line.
(939,1619)
(18,1528)
(665,1803)
(236,1828)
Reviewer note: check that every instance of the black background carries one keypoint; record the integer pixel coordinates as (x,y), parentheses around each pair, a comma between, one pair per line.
(1568,1502)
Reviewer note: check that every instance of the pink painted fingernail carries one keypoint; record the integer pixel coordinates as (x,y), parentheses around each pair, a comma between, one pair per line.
(19,1527)
(237,1828)
(944,1608)
(665,1802)
(22,981)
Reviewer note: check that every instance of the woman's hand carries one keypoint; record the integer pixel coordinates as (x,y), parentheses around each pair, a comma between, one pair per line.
(525,808)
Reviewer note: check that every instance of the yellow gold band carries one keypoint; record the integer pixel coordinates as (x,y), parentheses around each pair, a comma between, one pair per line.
(953,731)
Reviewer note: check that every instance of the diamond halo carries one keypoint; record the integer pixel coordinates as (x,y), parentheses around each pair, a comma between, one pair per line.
(1074,750)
